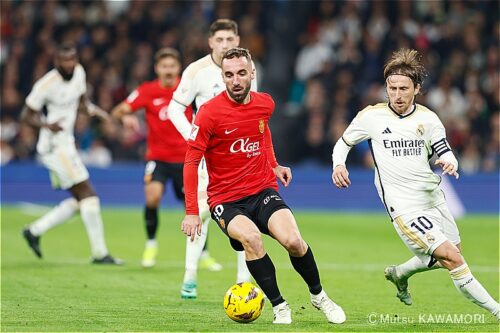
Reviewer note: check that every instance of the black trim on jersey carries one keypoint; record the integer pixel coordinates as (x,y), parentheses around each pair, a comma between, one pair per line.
(212,57)
(440,147)
(379,179)
(179,102)
(406,115)
(347,143)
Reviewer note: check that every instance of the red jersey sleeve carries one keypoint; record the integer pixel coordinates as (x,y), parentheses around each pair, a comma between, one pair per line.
(137,100)
(191,162)
(202,129)
(197,144)
(271,157)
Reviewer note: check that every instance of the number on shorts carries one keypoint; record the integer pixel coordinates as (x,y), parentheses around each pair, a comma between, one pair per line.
(423,223)
(218,210)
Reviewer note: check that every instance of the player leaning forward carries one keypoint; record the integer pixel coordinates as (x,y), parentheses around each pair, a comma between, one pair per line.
(231,131)
(403,136)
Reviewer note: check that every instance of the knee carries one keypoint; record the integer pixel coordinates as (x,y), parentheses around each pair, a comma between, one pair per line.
(450,257)
(295,245)
(252,242)
(153,199)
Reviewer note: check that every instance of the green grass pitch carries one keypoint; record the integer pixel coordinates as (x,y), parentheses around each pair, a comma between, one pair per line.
(63,292)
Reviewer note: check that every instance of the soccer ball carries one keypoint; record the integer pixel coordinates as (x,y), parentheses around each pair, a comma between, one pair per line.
(243,302)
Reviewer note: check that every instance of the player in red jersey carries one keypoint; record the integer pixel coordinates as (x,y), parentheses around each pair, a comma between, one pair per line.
(231,131)
(166,147)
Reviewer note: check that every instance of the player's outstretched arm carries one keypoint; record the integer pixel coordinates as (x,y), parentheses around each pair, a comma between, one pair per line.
(91,109)
(340,177)
(191,225)
(176,113)
(123,111)
(284,174)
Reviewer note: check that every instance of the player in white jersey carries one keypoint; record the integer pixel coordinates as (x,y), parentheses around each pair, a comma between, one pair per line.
(403,136)
(201,81)
(62,91)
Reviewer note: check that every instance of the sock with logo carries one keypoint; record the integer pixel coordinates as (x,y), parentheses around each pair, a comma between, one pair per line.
(57,215)
(307,268)
(468,286)
(264,273)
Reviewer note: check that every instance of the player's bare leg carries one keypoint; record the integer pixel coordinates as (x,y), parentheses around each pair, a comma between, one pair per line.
(283,228)
(153,192)
(450,257)
(260,265)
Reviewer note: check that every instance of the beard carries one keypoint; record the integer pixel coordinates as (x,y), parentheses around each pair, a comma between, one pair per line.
(65,75)
(240,96)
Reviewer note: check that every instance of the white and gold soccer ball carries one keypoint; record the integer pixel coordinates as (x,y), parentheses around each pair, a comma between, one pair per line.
(243,302)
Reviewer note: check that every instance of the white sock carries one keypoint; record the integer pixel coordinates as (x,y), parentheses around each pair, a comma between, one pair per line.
(467,284)
(243,274)
(414,265)
(151,243)
(90,210)
(193,252)
(57,215)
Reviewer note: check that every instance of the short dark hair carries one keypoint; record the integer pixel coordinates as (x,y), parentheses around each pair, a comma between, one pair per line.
(237,52)
(223,24)
(167,52)
(408,63)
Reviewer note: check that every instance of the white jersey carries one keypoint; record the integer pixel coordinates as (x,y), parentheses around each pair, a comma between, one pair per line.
(61,99)
(401,147)
(201,81)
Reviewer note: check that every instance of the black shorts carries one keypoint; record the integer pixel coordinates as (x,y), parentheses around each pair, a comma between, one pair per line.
(258,208)
(161,171)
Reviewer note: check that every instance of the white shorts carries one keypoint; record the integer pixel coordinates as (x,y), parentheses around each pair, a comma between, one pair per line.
(202,176)
(65,167)
(424,231)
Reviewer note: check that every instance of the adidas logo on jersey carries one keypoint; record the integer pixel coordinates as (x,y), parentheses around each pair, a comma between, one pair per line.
(386,131)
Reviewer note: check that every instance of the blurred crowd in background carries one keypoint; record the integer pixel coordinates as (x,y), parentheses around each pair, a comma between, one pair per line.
(322,61)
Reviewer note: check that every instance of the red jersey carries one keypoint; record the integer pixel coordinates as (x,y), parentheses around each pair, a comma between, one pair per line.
(236,143)
(164,142)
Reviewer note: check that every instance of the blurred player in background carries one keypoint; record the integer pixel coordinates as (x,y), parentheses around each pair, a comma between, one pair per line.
(63,92)
(165,146)
(231,131)
(200,82)
(403,136)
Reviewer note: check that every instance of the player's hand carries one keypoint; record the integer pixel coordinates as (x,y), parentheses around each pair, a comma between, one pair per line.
(131,122)
(448,168)
(340,177)
(54,127)
(191,225)
(284,174)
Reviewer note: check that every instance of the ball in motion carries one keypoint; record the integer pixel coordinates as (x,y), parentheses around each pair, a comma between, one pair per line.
(243,302)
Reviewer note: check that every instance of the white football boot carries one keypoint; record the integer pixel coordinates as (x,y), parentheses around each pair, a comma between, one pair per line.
(282,314)
(332,311)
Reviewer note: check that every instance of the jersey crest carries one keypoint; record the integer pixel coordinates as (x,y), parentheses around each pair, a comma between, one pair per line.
(420,130)
(261,126)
